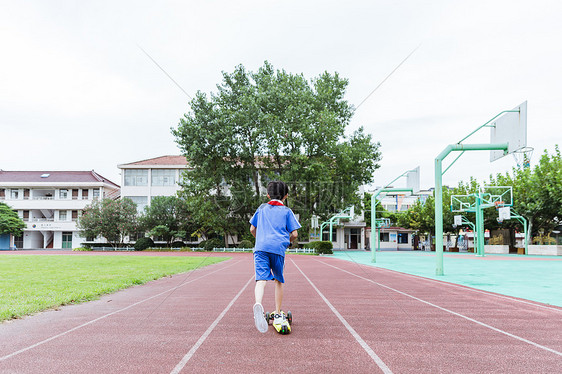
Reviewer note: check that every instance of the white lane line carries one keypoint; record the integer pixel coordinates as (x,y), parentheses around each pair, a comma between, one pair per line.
(351,330)
(450,311)
(454,285)
(203,337)
(107,315)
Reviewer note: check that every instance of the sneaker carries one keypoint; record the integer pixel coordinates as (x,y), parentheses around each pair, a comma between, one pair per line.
(259,318)
(281,323)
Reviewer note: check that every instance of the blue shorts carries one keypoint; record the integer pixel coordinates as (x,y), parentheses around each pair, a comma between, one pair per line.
(269,266)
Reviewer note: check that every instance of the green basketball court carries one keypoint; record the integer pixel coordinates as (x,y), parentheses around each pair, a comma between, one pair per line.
(536,278)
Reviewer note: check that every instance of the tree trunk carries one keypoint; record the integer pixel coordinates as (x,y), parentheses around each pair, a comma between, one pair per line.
(256,182)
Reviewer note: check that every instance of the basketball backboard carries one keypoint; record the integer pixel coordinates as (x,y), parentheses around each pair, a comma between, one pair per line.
(510,128)
(500,196)
(382,222)
(458,220)
(463,203)
(504,213)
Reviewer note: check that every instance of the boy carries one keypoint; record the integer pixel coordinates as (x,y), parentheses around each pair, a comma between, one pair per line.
(274,226)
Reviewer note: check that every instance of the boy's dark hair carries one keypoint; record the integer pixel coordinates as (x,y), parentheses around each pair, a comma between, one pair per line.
(277,190)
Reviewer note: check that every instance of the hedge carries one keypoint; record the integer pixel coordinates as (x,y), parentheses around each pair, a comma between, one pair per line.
(143,243)
(321,247)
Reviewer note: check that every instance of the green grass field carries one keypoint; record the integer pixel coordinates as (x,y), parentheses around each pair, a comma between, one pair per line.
(29,284)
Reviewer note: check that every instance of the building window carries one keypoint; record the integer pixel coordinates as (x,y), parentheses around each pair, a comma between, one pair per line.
(137,236)
(74,215)
(15,194)
(402,238)
(384,237)
(84,194)
(136,177)
(141,202)
(63,194)
(26,215)
(96,193)
(163,177)
(2,194)
(62,215)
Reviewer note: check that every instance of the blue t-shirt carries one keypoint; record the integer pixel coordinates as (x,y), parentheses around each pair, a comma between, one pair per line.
(274,225)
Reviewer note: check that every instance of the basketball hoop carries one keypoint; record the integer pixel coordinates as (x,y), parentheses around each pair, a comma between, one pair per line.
(523,156)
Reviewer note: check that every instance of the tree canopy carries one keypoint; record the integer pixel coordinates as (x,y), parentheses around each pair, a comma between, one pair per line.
(10,222)
(537,191)
(272,125)
(167,217)
(110,219)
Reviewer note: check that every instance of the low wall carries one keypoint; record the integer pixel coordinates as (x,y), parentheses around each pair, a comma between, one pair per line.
(545,250)
(497,249)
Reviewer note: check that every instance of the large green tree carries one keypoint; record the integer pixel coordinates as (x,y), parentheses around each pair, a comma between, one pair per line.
(267,125)
(10,223)
(110,219)
(537,192)
(168,217)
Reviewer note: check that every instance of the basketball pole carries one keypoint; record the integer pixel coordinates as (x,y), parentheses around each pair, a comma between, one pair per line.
(439,191)
(480,224)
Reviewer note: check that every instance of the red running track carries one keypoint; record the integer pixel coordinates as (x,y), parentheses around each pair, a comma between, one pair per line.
(347,318)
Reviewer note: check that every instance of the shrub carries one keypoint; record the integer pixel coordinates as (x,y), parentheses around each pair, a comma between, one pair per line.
(82,249)
(143,243)
(178,244)
(246,244)
(211,244)
(321,247)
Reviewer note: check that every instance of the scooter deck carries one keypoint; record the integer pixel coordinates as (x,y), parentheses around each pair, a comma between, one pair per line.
(284,328)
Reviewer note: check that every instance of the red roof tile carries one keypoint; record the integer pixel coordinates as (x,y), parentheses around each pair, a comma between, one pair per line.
(162,160)
(53,177)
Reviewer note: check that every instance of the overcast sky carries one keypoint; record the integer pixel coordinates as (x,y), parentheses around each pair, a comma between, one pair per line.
(77,93)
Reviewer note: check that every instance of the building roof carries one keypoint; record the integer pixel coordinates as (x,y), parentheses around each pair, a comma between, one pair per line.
(162,160)
(50,177)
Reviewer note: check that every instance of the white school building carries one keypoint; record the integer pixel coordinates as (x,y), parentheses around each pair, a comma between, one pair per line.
(50,202)
(159,176)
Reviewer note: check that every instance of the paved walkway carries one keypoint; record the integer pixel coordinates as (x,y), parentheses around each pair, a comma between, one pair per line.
(537,278)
